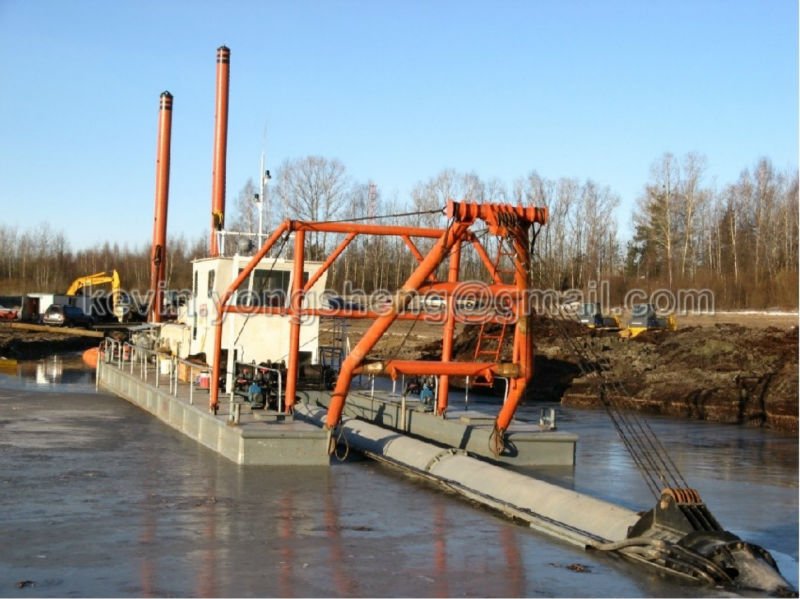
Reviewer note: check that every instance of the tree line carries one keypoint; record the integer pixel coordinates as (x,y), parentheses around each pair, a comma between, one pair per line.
(40,260)
(738,240)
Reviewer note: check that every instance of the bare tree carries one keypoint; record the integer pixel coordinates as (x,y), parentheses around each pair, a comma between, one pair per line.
(313,188)
(565,231)
(693,196)
(245,213)
(658,213)
(763,208)
(432,195)
(495,191)
(741,242)
(533,190)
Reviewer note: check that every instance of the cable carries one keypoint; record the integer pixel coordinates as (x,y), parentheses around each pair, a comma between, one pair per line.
(641,442)
(341,437)
(649,455)
(398,215)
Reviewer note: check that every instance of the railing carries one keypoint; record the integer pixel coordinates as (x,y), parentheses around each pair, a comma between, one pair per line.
(231,243)
(146,362)
(140,359)
(192,367)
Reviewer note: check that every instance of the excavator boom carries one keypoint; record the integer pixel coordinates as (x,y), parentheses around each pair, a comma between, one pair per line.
(98,278)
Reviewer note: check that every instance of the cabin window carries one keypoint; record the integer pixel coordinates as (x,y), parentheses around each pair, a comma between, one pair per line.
(194,284)
(210,289)
(270,288)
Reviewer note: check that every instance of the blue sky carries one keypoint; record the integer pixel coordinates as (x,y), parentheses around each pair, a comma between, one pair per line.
(396,90)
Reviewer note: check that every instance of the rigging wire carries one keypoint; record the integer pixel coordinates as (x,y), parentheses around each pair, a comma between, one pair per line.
(649,455)
(383,216)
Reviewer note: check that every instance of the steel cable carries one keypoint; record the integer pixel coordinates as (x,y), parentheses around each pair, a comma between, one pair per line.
(649,454)
(382,216)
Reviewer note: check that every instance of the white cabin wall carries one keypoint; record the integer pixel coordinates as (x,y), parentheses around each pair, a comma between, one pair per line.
(261,336)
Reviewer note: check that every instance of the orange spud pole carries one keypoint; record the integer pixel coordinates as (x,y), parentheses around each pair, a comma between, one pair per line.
(158,255)
(220,147)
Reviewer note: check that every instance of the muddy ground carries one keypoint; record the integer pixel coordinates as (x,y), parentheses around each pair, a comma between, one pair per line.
(722,373)
(30,345)
(731,368)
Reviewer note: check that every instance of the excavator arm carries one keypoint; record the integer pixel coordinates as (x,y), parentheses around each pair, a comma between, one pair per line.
(98,278)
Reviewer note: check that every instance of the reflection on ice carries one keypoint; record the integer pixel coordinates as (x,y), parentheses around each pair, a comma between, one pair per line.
(60,372)
(49,370)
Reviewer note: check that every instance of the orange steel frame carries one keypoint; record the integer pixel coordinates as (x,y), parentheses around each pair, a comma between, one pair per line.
(511,222)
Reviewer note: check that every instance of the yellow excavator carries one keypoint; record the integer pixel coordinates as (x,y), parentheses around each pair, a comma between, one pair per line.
(645,317)
(591,315)
(101,278)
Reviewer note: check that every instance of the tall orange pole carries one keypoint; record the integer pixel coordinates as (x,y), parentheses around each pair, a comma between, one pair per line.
(296,303)
(158,256)
(220,147)
(449,328)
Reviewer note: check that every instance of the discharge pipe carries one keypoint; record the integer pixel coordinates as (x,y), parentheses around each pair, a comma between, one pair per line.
(220,147)
(159,250)
(679,536)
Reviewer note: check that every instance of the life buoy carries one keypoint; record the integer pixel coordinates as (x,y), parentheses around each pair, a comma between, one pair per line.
(90,357)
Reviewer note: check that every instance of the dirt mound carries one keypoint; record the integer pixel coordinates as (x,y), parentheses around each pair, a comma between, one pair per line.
(465,342)
(723,373)
(30,345)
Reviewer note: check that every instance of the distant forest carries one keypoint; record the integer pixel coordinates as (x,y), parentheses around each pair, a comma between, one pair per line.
(739,240)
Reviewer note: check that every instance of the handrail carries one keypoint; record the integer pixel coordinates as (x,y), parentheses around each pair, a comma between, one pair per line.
(117,352)
(192,367)
(224,235)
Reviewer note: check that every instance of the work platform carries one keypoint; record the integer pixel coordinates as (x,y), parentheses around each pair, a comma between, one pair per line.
(527,444)
(270,439)
(259,439)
